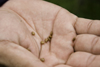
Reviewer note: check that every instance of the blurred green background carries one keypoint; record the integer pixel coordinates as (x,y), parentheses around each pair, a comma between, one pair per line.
(82,8)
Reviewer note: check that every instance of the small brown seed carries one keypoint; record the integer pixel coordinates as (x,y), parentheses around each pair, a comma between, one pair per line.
(28,49)
(46,40)
(73,39)
(42,59)
(50,36)
(32,33)
(49,39)
(51,33)
(42,42)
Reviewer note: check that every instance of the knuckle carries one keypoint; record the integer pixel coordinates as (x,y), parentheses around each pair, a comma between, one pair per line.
(94,43)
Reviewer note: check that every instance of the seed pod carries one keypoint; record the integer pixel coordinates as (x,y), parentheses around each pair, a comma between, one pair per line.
(28,49)
(46,40)
(49,39)
(42,59)
(50,36)
(73,39)
(42,42)
(32,33)
(51,33)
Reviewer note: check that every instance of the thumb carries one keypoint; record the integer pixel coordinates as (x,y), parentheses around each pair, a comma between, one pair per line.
(13,55)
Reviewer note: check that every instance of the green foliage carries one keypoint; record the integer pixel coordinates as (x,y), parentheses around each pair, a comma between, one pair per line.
(82,8)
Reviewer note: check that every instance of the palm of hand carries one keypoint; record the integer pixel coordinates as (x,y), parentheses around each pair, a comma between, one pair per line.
(42,18)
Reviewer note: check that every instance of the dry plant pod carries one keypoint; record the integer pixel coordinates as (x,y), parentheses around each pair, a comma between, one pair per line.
(50,36)
(28,49)
(49,39)
(32,33)
(51,33)
(42,42)
(42,59)
(73,39)
(46,40)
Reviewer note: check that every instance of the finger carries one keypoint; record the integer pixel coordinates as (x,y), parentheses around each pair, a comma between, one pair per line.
(84,26)
(88,43)
(83,59)
(63,34)
(13,55)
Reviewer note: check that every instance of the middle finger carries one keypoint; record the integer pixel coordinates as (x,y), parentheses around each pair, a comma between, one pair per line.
(88,43)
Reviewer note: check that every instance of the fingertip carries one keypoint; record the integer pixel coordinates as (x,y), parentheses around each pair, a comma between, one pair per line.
(87,26)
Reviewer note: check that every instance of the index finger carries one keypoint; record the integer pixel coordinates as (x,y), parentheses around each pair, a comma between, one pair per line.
(87,26)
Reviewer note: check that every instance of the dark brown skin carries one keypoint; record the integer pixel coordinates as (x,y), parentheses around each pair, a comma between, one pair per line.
(18,18)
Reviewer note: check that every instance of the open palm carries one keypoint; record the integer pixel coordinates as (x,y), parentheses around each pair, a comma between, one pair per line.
(43,18)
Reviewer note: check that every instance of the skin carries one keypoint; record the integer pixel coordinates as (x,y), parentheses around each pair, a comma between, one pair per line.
(18,21)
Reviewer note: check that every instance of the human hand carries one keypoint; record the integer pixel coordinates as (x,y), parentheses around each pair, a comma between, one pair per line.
(42,18)
(15,41)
